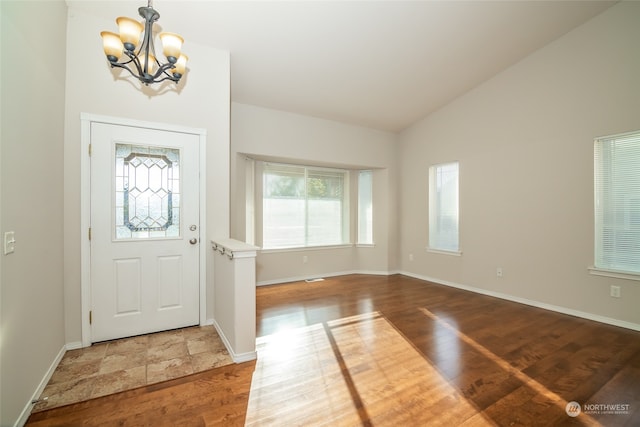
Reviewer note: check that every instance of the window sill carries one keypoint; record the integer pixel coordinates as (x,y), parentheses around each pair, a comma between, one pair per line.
(444,252)
(307,248)
(365,245)
(614,273)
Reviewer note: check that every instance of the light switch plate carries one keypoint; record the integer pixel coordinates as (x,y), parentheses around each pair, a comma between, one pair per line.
(9,242)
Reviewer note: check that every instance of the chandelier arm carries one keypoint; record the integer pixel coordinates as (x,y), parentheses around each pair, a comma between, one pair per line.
(131,59)
(172,76)
(136,61)
(167,78)
(163,70)
(141,76)
(119,65)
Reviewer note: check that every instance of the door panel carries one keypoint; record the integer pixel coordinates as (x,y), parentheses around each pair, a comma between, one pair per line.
(144,222)
(169,282)
(128,287)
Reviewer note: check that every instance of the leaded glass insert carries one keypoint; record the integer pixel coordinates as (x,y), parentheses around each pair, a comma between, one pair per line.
(147,192)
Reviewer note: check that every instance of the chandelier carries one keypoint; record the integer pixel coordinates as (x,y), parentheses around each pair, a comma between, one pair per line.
(133,49)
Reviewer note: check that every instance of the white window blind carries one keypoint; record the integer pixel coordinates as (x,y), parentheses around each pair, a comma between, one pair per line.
(617,202)
(365,207)
(443,207)
(304,206)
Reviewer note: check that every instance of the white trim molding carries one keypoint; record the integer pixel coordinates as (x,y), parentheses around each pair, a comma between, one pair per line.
(237,357)
(26,412)
(85,209)
(321,275)
(306,248)
(443,251)
(614,273)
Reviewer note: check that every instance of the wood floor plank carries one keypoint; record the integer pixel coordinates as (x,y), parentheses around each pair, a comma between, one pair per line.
(364,350)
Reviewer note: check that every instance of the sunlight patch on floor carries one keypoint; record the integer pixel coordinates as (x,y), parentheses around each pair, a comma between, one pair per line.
(527,381)
(353,371)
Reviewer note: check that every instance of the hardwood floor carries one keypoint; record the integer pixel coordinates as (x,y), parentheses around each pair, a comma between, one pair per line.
(386,351)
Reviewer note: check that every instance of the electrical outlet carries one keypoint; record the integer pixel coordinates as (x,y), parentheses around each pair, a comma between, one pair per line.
(410,257)
(304,259)
(499,272)
(615,291)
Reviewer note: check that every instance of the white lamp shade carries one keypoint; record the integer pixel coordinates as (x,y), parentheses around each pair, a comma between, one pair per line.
(112,44)
(171,44)
(181,65)
(130,30)
(152,63)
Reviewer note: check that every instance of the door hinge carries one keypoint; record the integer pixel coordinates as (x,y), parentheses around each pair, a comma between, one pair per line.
(90,317)
(89,233)
(89,150)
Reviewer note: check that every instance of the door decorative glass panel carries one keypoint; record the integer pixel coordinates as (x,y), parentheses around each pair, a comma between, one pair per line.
(147,192)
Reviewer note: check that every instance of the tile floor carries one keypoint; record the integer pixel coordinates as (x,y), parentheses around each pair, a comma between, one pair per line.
(114,366)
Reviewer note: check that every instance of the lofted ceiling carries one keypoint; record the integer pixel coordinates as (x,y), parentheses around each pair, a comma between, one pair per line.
(380,64)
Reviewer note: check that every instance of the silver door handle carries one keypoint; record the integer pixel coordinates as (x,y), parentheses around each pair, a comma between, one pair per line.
(193,241)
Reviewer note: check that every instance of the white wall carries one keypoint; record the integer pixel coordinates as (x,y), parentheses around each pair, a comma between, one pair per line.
(201,101)
(524,140)
(269,134)
(31,177)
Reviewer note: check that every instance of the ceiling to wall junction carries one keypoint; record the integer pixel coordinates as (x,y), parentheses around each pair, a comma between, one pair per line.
(380,64)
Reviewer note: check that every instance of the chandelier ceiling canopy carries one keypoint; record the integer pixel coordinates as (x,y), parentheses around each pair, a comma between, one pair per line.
(133,49)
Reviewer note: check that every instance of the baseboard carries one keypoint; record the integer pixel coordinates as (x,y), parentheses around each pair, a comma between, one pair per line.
(244,357)
(24,416)
(532,303)
(237,357)
(74,345)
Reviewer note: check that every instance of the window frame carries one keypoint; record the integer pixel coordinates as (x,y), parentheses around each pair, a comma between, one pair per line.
(607,187)
(345,208)
(434,211)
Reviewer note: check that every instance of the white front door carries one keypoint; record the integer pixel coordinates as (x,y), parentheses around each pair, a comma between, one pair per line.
(144,230)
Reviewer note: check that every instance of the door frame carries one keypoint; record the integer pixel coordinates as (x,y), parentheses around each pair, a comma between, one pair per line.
(86,119)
